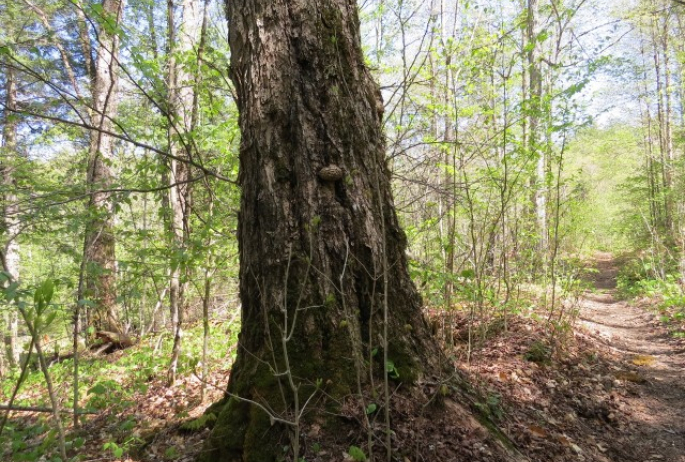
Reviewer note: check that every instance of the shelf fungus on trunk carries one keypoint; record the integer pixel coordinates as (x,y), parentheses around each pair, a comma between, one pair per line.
(331,173)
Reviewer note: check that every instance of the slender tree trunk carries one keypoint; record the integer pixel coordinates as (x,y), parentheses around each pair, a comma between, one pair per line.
(183,41)
(680,67)
(505,195)
(450,176)
(668,136)
(534,96)
(323,273)
(206,298)
(84,39)
(99,249)
(662,131)
(440,90)
(152,29)
(10,224)
(648,145)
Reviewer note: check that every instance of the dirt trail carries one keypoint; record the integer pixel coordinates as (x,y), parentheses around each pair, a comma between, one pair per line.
(653,363)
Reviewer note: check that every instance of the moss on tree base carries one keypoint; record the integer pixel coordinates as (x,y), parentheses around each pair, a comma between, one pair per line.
(243,434)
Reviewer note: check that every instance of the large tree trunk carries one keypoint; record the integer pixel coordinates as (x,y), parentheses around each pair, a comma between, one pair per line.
(99,247)
(323,274)
(10,226)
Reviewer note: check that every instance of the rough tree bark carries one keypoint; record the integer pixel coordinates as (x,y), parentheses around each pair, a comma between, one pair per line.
(323,274)
(99,246)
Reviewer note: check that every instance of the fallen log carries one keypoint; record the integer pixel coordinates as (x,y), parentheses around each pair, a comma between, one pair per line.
(113,340)
(120,341)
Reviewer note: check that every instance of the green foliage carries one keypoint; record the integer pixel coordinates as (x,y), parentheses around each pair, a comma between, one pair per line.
(112,386)
(641,278)
(492,406)
(649,276)
(356,454)
(599,220)
(391,370)
(116,450)
(171,453)
(104,394)
(538,352)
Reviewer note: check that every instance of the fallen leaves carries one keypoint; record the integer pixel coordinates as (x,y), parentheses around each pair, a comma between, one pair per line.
(643,360)
(537,431)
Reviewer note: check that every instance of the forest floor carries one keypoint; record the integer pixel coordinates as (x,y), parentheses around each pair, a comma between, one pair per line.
(613,391)
(654,428)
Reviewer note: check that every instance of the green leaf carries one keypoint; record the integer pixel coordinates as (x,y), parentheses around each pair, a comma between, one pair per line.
(128,424)
(356,454)
(117,451)
(468,274)
(389,366)
(48,289)
(371,408)
(38,297)
(97,389)
(171,452)
(97,8)
(11,291)
(392,371)
(51,317)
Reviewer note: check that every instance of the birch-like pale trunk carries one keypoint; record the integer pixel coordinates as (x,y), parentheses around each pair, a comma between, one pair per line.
(10,224)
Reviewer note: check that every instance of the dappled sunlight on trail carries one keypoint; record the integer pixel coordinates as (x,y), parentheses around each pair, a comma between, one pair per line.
(647,356)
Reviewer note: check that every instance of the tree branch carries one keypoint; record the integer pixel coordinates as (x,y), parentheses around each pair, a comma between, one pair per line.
(4,407)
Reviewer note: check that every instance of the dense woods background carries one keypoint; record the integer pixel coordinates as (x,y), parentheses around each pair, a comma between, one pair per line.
(522,137)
